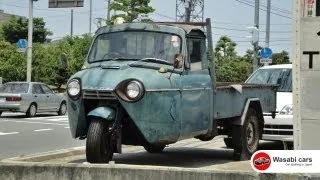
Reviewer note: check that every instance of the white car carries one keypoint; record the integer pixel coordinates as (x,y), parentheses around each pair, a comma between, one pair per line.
(280,128)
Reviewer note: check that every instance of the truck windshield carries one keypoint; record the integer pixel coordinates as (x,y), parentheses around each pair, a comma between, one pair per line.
(281,76)
(134,45)
(14,88)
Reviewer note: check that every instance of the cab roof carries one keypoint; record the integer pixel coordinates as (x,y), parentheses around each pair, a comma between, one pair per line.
(285,66)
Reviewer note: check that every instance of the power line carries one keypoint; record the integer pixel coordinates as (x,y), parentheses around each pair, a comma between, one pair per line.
(247,3)
(33,8)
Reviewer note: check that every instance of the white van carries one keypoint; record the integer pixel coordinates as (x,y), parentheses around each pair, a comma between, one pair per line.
(280,128)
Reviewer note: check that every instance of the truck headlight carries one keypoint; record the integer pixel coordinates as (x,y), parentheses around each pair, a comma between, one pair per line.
(134,90)
(130,90)
(74,88)
(287,110)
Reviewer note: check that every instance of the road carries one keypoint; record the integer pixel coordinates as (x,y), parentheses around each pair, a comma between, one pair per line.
(21,136)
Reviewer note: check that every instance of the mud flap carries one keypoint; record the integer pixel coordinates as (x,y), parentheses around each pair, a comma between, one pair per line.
(237,141)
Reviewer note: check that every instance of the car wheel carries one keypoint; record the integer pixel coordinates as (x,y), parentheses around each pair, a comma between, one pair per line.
(0,113)
(62,109)
(32,111)
(98,145)
(154,148)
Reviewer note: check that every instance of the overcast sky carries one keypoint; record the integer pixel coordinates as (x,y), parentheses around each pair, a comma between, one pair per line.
(229,17)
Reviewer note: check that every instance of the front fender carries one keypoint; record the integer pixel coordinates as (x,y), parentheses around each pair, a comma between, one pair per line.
(105,113)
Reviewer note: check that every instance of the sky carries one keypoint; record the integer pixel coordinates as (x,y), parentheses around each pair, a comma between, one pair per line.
(229,17)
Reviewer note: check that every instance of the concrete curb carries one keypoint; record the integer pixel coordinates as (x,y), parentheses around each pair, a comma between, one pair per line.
(35,171)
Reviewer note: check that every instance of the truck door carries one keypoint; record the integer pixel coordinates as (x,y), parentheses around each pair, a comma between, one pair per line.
(196,88)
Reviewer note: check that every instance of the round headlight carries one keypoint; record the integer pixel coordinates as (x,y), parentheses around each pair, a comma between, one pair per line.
(73,88)
(134,90)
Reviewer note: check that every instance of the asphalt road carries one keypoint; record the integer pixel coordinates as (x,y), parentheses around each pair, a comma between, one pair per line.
(21,136)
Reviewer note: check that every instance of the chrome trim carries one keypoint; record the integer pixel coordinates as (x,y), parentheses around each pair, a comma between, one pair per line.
(95,94)
(160,90)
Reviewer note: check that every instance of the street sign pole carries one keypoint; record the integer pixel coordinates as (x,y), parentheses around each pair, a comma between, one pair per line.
(30,33)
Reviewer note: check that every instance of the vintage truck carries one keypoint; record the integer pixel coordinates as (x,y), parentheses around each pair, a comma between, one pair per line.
(153,84)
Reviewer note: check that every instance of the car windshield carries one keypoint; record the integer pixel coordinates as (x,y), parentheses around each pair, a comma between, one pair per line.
(14,88)
(135,45)
(281,76)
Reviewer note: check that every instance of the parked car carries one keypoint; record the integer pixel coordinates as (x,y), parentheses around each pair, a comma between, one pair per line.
(31,98)
(280,128)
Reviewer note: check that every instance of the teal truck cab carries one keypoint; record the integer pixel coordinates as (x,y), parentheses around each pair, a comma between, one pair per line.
(153,84)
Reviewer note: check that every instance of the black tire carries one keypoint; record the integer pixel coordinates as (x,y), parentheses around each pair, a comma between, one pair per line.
(62,111)
(154,148)
(228,142)
(0,113)
(98,148)
(249,139)
(32,111)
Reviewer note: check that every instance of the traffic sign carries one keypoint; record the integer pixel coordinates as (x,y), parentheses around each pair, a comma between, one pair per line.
(266,53)
(22,45)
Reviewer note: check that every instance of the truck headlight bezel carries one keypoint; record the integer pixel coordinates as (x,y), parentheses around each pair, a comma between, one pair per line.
(131,90)
(74,89)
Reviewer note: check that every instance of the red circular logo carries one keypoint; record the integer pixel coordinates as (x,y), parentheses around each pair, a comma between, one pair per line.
(261,161)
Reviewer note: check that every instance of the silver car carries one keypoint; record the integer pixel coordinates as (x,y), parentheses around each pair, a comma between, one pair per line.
(31,98)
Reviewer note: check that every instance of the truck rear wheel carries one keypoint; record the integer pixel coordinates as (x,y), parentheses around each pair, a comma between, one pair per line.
(98,148)
(248,141)
(154,148)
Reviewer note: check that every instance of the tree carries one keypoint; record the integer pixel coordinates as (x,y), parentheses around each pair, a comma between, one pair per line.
(249,56)
(17,28)
(131,9)
(280,58)
(225,48)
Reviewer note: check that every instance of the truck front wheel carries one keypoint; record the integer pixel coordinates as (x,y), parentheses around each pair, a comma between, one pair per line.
(248,141)
(154,148)
(98,145)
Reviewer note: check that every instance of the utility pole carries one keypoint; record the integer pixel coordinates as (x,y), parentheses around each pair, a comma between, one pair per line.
(90,16)
(268,26)
(108,12)
(188,10)
(71,29)
(30,36)
(256,44)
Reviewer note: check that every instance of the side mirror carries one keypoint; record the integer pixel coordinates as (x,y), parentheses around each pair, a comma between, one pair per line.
(178,61)
(64,61)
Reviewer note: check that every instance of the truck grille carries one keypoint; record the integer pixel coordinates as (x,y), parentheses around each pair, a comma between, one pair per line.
(92,94)
(278,129)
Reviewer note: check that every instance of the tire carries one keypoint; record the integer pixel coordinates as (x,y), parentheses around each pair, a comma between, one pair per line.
(98,148)
(62,109)
(154,148)
(228,142)
(249,139)
(32,111)
(0,113)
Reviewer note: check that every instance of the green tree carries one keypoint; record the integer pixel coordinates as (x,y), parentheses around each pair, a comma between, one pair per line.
(249,56)
(130,10)
(280,58)
(17,28)
(225,48)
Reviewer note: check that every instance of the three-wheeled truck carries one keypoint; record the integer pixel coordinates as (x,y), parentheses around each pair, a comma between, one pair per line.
(153,84)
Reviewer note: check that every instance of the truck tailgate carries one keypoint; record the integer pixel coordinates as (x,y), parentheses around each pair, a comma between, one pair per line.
(230,99)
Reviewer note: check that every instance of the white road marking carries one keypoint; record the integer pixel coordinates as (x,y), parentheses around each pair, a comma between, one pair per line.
(33,122)
(3,134)
(39,130)
(67,127)
(47,117)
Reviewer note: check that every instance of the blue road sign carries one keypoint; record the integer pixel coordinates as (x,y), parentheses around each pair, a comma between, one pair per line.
(266,53)
(22,44)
